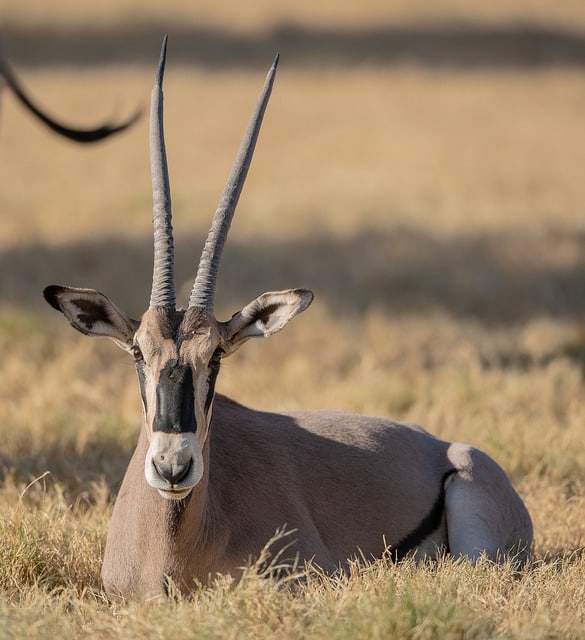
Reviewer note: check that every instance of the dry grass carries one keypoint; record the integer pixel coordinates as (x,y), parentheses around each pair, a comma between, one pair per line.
(435,209)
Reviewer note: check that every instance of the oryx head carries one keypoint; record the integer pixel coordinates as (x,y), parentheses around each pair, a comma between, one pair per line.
(178,352)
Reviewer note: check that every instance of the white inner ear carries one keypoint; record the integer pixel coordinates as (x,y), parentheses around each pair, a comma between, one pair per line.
(102,318)
(266,315)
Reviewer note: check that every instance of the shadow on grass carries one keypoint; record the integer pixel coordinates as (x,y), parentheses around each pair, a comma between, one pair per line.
(455,45)
(497,279)
(75,472)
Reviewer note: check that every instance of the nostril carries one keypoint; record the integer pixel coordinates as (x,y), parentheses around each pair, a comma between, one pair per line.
(172,473)
(182,472)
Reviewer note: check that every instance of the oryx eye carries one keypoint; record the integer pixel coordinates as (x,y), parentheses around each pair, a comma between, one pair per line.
(136,353)
(218,354)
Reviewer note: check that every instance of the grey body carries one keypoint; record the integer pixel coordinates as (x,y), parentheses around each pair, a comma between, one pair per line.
(211,481)
(347,484)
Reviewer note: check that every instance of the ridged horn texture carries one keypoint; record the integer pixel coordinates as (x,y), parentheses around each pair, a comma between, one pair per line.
(203,292)
(163,275)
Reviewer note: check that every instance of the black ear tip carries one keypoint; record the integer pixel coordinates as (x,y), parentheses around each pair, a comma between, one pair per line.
(51,294)
(306,295)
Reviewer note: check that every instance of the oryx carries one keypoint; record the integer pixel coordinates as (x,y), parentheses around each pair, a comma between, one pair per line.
(211,481)
(8,77)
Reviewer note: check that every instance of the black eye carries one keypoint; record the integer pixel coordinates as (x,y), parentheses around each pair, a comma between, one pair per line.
(135,351)
(218,353)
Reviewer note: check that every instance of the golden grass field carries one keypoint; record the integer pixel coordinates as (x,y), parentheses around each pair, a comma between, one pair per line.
(420,168)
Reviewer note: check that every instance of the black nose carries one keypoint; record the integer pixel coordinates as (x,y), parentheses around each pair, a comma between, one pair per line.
(172,473)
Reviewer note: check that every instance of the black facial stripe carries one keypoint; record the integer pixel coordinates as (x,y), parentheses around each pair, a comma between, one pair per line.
(428,524)
(188,403)
(213,372)
(142,383)
(175,400)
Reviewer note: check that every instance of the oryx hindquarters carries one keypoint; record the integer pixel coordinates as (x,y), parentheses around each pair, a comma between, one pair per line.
(211,481)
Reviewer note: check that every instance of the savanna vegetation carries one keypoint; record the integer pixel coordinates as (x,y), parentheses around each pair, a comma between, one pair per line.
(420,168)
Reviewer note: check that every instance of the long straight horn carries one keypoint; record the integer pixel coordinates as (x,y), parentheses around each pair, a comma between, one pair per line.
(203,292)
(163,275)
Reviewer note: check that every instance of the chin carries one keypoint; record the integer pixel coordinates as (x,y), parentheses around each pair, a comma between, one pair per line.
(175,494)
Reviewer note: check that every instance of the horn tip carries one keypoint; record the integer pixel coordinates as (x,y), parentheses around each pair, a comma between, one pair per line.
(162,61)
(272,71)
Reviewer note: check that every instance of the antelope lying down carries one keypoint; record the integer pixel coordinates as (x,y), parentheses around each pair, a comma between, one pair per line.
(8,77)
(210,480)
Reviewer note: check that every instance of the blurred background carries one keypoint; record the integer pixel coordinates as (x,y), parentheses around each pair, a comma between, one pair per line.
(414,155)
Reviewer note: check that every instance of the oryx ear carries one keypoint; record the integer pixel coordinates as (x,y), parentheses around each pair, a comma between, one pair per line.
(92,313)
(264,316)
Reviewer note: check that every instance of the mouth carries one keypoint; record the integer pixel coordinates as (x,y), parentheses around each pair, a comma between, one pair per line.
(175,494)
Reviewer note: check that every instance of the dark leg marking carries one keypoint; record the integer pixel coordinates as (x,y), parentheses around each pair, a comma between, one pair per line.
(428,525)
